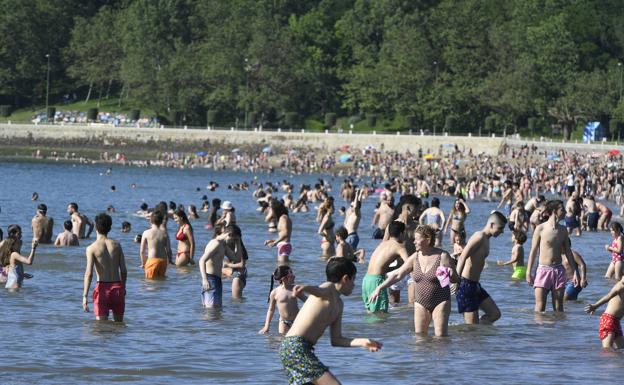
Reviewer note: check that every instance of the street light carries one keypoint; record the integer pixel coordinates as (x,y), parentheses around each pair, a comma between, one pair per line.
(620,67)
(47,83)
(247,69)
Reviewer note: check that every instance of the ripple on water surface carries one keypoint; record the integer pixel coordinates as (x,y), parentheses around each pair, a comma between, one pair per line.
(168,338)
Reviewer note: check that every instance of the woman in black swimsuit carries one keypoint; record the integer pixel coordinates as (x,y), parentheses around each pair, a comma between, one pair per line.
(429,267)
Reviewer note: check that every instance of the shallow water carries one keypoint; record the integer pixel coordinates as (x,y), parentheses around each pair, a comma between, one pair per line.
(168,338)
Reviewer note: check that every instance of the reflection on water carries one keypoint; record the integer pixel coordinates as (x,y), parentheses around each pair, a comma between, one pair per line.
(168,337)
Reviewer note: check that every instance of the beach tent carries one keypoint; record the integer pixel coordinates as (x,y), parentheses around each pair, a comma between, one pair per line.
(593,131)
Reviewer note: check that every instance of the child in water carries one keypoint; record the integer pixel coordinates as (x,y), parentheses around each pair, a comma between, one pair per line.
(517,256)
(616,248)
(610,329)
(323,309)
(284,298)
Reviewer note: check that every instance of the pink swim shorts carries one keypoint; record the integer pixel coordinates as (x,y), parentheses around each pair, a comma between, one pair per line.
(550,277)
(284,249)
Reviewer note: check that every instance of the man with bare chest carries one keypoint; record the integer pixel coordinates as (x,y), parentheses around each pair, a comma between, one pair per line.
(470,295)
(551,240)
(42,225)
(352,220)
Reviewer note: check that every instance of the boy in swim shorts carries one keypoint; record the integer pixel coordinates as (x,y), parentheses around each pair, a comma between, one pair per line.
(610,329)
(470,295)
(517,256)
(211,266)
(155,248)
(110,267)
(386,253)
(322,309)
(571,290)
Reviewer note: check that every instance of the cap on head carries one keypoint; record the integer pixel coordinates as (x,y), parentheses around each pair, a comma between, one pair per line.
(227,205)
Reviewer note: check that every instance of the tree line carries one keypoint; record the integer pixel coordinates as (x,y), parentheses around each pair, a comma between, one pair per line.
(462,65)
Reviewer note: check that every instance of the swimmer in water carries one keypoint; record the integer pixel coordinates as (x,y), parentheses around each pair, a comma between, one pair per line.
(283,298)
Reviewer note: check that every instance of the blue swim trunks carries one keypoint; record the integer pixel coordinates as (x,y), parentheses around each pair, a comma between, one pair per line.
(572,291)
(213,297)
(378,233)
(470,294)
(571,222)
(353,240)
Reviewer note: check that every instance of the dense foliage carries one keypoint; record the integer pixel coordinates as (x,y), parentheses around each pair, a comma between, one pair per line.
(446,64)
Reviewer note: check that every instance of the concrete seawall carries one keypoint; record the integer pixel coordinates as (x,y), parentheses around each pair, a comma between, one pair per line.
(320,141)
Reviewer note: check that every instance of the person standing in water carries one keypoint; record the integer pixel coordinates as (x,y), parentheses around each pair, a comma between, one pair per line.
(322,309)
(211,266)
(79,221)
(186,239)
(67,238)
(551,240)
(434,217)
(352,220)
(155,248)
(517,256)
(389,251)
(284,299)
(470,295)
(110,268)
(42,225)
(284,232)
(432,272)
(13,262)
(610,329)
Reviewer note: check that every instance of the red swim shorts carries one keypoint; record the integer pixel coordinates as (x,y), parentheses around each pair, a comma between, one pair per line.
(109,296)
(609,324)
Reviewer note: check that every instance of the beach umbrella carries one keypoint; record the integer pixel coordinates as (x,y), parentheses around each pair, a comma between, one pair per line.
(428,156)
(344,147)
(344,158)
(267,149)
(293,152)
(200,153)
(614,152)
(369,148)
(236,150)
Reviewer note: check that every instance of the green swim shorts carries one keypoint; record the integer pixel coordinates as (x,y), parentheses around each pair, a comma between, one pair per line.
(519,273)
(369,283)
(301,364)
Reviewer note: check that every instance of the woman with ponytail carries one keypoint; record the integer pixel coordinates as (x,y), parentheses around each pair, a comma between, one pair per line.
(284,298)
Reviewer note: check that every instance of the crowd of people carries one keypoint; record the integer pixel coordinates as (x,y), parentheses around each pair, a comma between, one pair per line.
(408,259)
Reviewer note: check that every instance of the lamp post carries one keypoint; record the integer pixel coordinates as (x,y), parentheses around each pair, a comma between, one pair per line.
(247,69)
(620,67)
(47,84)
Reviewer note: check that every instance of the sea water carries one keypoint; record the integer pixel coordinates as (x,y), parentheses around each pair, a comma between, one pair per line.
(168,338)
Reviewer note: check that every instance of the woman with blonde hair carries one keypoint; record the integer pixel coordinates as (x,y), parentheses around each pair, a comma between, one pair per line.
(433,272)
